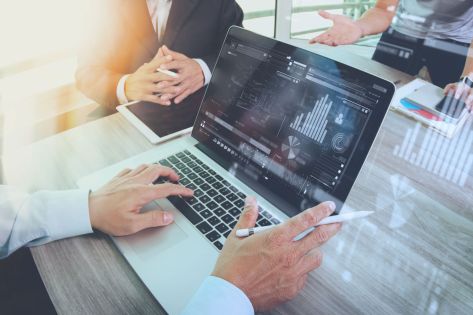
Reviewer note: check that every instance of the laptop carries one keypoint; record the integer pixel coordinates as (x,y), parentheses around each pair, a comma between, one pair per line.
(284,124)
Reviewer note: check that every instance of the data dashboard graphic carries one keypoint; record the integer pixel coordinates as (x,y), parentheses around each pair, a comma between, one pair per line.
(291,147)
(287,126)
(315,122)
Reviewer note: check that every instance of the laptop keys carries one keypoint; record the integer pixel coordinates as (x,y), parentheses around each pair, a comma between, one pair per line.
(214,221)
(239,203)
(211,205)
(204,227)
(227,218)
(184,181)
(224,191)
(173,160)
(219,212)
(222,228)
(204,198)
(205,213)
(264,222)
(235,212)
(227,205)
(191,201)
(217,185)
(213,236)
(275,221)
(219,199)
(218,245)
(191,186)
(185,209)
(212,193)
(198,181)
(232,197)
(198,206)
(205,187)
(216,205)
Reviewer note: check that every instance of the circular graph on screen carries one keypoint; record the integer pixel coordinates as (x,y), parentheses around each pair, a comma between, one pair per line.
(291,147)
(340,142)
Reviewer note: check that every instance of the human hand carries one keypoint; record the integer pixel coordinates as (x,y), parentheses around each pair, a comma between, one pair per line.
(143,85)
(191,78)
(270,267)
(115,208)
(343,31)
(462,91)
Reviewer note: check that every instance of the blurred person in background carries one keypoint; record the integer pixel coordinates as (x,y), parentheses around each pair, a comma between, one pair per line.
(127,41)
(436,34)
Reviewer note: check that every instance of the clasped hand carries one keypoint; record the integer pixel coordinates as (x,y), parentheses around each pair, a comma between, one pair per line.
(147,84)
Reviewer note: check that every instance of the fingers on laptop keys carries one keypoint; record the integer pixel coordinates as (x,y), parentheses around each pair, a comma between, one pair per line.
(276,266)
(149,173)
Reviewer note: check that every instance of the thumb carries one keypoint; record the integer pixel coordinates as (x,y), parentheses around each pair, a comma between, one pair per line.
(326,15)
(249,214)
(153,218)
(160,52)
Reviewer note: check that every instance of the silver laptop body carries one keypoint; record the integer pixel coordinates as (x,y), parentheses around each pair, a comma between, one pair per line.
(174,260)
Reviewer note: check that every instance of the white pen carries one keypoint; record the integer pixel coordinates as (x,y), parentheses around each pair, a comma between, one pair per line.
(332,219)
(167,72)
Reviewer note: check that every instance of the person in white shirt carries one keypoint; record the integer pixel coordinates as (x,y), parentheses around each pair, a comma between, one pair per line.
(241,281)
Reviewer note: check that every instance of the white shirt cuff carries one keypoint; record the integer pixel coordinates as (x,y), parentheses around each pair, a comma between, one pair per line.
(216,296)
(121,95)
(67,212)
(205,70)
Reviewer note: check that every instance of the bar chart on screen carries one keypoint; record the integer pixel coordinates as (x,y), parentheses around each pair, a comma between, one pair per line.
(315,123)
(451,159)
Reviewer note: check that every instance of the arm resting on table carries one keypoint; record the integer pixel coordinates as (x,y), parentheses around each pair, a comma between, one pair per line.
(42,217)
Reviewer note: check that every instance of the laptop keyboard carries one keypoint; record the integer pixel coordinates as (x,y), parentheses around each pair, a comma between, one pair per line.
(216,205)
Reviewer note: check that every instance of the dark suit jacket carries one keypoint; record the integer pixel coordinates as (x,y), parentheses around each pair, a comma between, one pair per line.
(121,38)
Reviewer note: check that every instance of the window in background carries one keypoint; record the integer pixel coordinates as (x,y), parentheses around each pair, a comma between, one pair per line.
(259,16)
(306,23)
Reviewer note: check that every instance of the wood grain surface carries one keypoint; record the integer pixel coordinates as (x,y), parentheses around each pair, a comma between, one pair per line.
(414,256)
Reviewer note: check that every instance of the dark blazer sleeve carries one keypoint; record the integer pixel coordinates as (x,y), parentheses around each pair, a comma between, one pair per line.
(230,14)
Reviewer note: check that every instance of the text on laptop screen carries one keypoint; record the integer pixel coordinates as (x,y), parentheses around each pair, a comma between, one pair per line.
(287,121)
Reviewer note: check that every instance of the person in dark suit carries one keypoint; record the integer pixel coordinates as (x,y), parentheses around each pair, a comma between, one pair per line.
(129,39)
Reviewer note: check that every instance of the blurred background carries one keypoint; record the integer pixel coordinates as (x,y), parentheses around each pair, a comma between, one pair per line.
(39,41)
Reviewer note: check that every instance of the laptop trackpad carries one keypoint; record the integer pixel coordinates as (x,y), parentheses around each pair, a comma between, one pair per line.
(150,242)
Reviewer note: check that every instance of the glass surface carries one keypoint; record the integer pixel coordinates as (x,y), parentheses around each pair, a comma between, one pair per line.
(259,16)
(288,122)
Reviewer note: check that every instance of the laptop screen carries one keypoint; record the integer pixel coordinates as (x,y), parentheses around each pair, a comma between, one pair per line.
(293,125)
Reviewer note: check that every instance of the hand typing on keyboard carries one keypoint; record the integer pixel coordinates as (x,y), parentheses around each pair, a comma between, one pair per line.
(269,267)
(115,208)
(216,205)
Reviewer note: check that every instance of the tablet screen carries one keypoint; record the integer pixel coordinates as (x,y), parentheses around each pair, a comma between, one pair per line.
(164,120)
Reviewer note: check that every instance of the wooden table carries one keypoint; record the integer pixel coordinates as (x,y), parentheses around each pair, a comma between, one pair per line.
(413,257)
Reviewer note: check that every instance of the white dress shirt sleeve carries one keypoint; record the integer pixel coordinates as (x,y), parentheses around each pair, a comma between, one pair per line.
(217,296)
(121,95)
(41,217)
(205,70)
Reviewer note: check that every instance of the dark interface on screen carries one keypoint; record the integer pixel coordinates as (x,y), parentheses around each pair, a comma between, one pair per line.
(287,124)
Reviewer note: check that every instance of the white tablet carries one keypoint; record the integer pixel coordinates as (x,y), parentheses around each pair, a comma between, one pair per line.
(134,112)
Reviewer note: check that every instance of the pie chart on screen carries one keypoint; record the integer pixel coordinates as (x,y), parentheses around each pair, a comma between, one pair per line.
(291,147)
